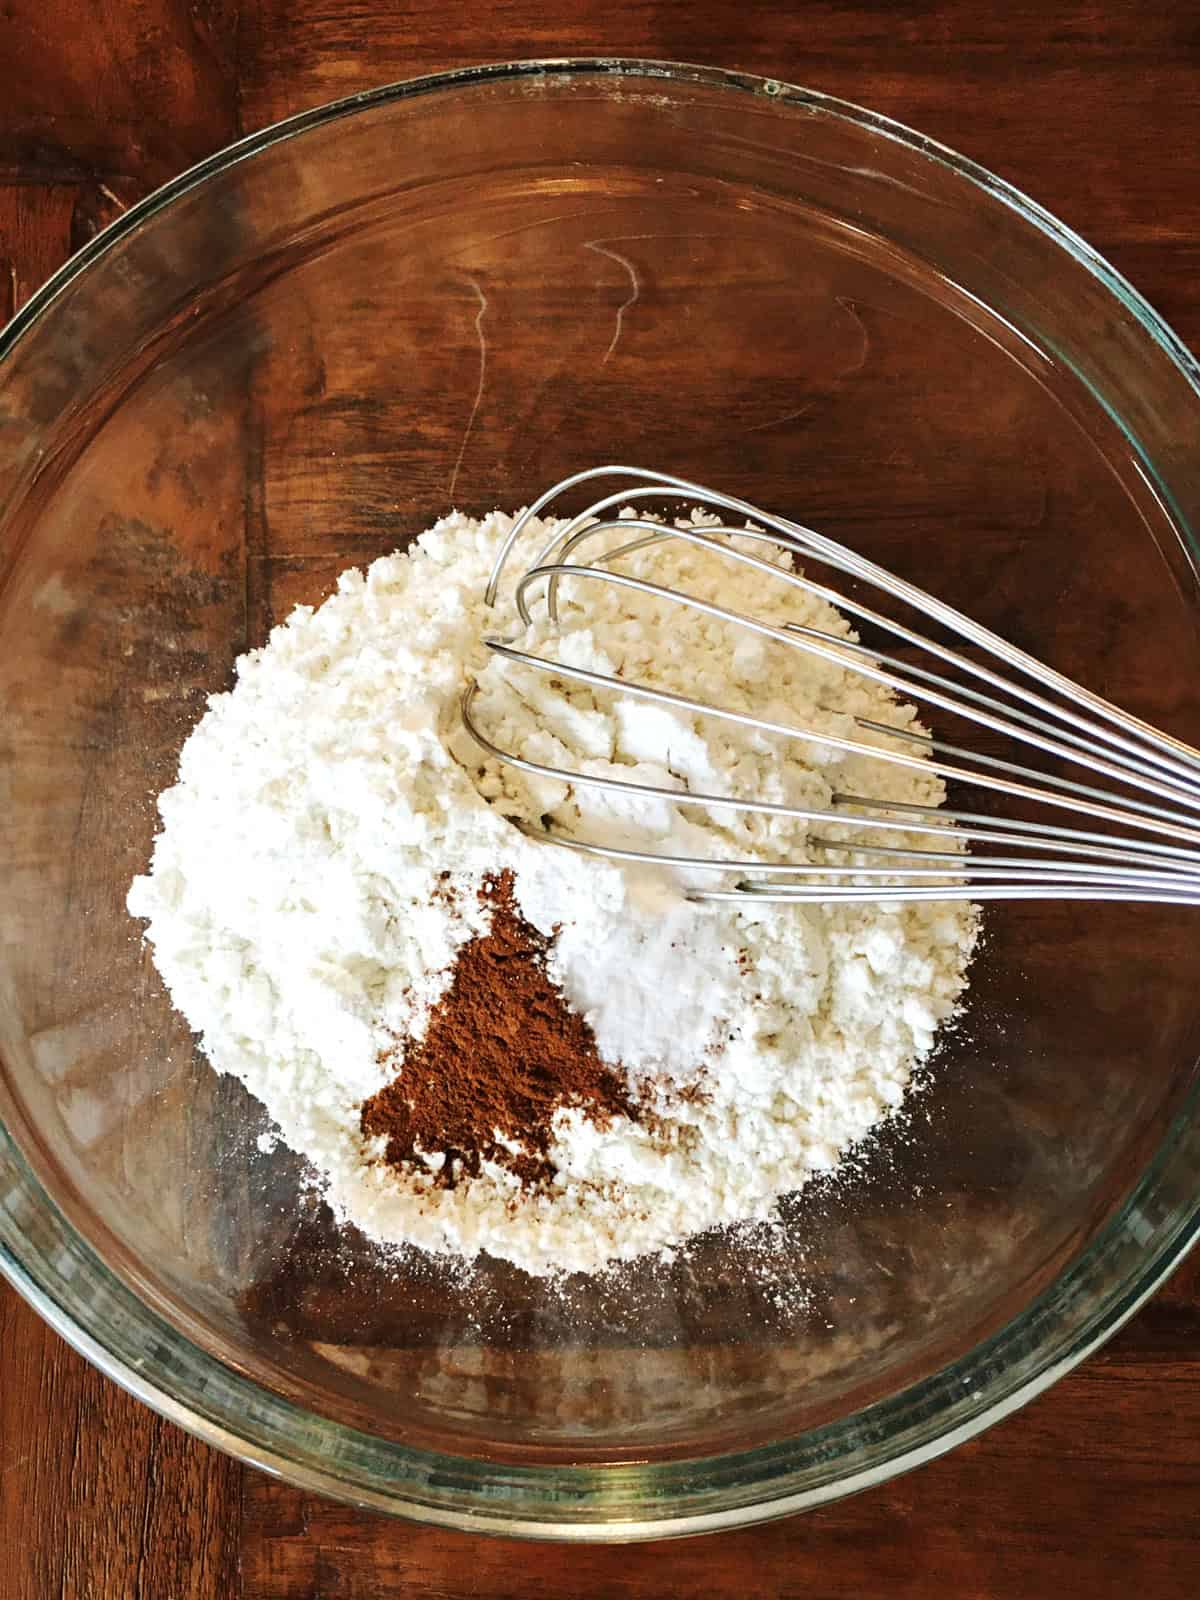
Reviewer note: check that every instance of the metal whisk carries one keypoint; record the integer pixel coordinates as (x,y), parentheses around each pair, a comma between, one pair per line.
(1147,799)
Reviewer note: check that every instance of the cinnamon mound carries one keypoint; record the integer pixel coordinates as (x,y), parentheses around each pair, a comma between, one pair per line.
(502,1053)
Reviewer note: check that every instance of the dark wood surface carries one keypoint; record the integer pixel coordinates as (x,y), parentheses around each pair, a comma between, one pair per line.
(1094,108)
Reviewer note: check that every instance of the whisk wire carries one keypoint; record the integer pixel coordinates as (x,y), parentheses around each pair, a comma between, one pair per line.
(1157,818)
(1149,764)
(1087,732)
(839,556)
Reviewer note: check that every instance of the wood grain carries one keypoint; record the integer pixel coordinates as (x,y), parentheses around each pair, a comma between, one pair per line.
(1091,1481)
(1091,111)
(950,1528)
(133,90)
(98,1496)
(35,237)
(1092,106)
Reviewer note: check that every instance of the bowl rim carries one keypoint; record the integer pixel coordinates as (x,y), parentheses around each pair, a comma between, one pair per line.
(225,1408)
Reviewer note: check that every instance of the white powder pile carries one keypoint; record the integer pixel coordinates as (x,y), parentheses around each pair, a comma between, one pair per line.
(297,909)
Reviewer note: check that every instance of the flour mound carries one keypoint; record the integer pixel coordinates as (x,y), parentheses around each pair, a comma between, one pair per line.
(299,911)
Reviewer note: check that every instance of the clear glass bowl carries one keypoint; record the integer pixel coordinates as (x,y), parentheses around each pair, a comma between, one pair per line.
(452,292)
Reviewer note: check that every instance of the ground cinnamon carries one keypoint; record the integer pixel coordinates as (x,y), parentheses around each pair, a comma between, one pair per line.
(503,1051)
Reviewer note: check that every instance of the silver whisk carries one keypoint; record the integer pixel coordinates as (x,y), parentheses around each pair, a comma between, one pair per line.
(1148,850)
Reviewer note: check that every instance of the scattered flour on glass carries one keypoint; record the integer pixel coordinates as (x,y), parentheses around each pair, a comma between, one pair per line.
(294,910)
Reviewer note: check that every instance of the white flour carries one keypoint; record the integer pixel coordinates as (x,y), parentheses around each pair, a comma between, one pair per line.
(293,911)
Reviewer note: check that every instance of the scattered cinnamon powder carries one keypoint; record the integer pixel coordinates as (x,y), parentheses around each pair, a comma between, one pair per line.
(502,1053)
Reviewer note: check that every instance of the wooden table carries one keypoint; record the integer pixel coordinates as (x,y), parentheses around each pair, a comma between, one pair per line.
(1092,106)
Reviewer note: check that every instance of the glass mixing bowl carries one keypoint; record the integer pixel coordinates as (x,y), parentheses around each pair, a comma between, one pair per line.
(452,292)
